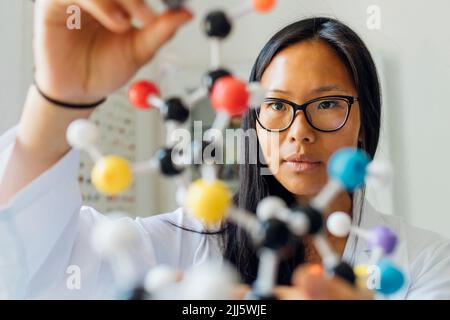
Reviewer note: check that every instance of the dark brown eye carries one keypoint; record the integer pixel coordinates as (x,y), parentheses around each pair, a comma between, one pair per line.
(327,104)
(277,106)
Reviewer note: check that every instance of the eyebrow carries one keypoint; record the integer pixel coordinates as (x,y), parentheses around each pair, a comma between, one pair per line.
(332,87)
(327,88)
(279,91)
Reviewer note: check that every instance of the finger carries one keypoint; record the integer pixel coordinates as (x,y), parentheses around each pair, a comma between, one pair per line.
(148,40)
(289,293)
(310,278)
(139,9)
(333,289)
(315,285)
(304,270)
(108,13)
(240,291)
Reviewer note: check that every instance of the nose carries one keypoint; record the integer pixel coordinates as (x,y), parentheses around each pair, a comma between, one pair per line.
(301,130)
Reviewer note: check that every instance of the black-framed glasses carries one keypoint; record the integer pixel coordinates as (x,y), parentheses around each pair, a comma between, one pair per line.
(326,114)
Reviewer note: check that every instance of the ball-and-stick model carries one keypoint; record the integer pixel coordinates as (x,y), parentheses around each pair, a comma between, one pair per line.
(275,226)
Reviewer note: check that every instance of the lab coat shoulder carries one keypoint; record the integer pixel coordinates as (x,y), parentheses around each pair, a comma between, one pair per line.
(423,255)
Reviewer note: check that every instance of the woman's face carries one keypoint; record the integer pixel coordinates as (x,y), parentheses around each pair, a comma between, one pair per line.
(299,73)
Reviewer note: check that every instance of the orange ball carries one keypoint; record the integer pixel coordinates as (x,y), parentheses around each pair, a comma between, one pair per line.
(264,5)
(316,269)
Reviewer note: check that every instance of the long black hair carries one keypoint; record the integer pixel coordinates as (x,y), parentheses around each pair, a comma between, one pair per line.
(253,186)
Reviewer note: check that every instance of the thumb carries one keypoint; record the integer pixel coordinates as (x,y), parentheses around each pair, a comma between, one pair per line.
(320,287)
(316,286)
(311,279)
(240,291)
(147,41)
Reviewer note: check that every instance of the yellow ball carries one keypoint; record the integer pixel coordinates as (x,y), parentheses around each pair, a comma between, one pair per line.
(112,175)
(209,201)
(361,273)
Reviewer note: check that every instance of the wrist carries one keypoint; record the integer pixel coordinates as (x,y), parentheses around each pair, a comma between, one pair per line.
(67,103)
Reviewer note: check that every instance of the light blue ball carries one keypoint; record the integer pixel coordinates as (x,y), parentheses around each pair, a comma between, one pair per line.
(348,166)
(392,278)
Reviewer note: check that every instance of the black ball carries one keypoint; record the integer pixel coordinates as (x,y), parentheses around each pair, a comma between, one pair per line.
(315,220)
(217,24)
(166,165)
(209,79)
(174,4)
(314,217)
(277,234)
(175,110)
(345,271)
(138,293)
(253,295)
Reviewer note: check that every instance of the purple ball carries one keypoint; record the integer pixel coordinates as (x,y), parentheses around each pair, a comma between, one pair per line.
(382,237)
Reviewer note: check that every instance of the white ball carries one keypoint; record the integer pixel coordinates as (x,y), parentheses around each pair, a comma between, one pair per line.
(299,223)
(112,237)
(270,207)
(82,134)
(379,173)
(209,281)
(257,94)
(339,224)
(159,277)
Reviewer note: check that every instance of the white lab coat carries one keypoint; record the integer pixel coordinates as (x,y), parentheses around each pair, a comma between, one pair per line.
(45,229)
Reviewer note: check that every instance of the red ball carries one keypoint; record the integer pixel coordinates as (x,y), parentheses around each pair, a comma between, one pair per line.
(230,95)
(139,93)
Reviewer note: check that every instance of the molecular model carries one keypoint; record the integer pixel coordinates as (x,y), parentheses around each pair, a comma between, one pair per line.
(275,226)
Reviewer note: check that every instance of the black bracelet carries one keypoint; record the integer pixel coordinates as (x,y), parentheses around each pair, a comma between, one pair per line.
(68,105)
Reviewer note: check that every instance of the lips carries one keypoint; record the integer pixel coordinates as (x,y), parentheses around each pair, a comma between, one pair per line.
(302,163)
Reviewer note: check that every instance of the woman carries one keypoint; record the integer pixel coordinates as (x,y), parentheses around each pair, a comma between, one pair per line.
(309,60)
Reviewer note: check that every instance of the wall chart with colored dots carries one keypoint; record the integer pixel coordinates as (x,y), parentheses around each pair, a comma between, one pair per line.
(118,133)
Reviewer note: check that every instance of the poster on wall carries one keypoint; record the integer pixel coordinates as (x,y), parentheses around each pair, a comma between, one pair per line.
(116,120)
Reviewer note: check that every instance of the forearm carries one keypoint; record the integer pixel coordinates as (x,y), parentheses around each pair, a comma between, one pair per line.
(41,142)
(72,67)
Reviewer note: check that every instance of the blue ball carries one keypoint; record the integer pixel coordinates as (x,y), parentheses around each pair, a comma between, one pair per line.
(348,166)
(392,278)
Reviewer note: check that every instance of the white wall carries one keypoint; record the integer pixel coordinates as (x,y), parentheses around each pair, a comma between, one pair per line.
(16,65)
(412,48)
